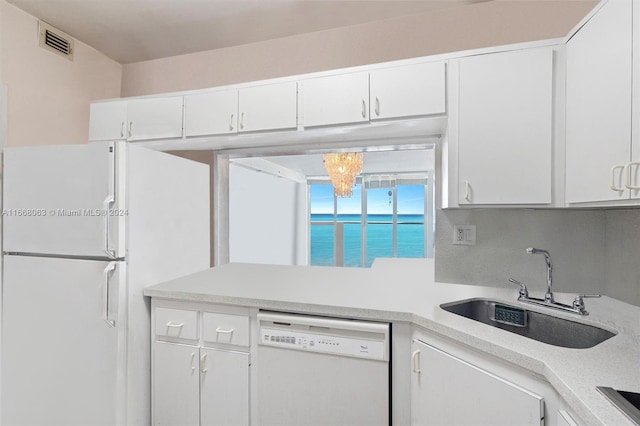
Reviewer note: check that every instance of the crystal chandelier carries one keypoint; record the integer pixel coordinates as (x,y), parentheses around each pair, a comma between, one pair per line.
(343,167)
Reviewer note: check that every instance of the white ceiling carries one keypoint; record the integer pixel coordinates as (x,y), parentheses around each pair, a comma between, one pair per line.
(380,162)
(138,30)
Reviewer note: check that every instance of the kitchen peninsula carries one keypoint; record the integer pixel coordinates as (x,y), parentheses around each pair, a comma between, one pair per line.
(403,292)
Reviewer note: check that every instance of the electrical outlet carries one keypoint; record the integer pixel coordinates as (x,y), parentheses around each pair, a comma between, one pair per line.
(464,235)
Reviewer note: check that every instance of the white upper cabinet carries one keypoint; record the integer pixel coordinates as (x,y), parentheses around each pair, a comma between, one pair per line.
(634,166)
(108,121)
(414,90)
(339,99)
(155,118)
(214,113)
(599,107)
(504,128)
(268,107)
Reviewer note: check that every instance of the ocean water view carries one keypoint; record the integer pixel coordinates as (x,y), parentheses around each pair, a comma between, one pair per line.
(410,234)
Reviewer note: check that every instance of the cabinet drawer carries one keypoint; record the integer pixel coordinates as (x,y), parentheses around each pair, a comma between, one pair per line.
(177,323)
(226,328)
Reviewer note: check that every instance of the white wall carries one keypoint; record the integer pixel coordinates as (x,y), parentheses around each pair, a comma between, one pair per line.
(48,95)
(440,31)
(267,218)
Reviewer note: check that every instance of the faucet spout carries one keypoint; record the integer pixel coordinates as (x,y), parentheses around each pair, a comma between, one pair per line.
(548,297)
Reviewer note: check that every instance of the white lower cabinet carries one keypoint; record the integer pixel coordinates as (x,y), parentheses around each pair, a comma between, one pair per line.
(224,387)
(176,385)
(452,384)
(449,391)
(200,386)
(566,419)
(197,382)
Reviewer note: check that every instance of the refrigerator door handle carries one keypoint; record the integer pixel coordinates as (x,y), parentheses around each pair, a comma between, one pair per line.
(107,272)
(111,254)
(108,202)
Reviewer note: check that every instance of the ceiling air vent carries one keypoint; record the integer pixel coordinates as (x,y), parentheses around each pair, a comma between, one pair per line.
(54,40)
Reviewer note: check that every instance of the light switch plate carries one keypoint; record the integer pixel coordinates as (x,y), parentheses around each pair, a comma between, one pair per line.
(464,235)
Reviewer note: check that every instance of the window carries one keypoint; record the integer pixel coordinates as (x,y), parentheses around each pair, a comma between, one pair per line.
(387,216)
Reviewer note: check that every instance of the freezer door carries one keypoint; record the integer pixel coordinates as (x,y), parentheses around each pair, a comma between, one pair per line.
(62,328)
(56,200)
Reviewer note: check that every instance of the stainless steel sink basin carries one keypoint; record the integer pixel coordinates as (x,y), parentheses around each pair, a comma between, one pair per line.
(533,325)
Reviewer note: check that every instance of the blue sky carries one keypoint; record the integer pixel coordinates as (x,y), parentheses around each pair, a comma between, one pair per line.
(410,200)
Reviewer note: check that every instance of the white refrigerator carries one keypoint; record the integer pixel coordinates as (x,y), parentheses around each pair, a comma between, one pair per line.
(85,229)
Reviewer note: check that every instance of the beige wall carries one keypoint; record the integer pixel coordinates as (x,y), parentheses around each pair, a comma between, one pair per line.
(48,96)
(447,30)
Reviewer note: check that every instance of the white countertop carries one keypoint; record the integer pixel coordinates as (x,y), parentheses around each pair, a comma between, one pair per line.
(404,290)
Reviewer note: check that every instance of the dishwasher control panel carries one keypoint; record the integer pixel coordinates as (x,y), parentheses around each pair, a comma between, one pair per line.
(335,336)
(324,343)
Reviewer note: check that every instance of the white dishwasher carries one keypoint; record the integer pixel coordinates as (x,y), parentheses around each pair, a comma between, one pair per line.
(322,371)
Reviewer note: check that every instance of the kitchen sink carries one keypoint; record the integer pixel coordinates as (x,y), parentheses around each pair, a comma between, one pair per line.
(531,324)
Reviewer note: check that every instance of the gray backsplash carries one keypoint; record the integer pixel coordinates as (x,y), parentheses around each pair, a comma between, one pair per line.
(593,251)
(622,254)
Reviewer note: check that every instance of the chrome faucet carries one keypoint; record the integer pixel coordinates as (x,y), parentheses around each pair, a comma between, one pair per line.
(523,295)
(548,296)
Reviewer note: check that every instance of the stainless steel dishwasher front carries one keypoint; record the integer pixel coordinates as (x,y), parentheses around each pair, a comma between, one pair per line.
(322,371)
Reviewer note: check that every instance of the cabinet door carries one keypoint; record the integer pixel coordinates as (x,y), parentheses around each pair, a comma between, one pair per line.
(635,108)
(565,419)
(339,99)
(155,118)
(175,385)
(505,128)
(599,105)
(224,389)
(270,107)
(213,113)
(446,390)
(107,120)
(408,91)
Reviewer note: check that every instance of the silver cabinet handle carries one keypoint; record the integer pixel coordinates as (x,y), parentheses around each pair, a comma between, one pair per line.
(364,109)
(612,184)
(224,330)
(122,129)
(193,368)
(177,325)
(105,311)
(629,171)
(203,363)
(467,191)
(377,107)
(231,123)
(415,361)
(130,128)
(242,120)
(108,202)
